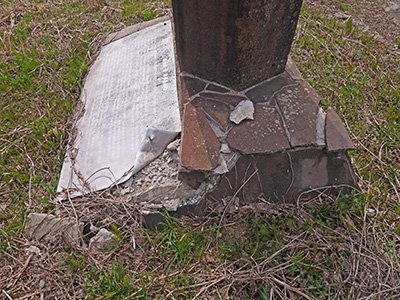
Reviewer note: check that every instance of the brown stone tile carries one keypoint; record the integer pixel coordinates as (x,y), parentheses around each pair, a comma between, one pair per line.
(216,88)
(192,178)
(232,100)
(217,110)
(275,176)
(264,134)
(190,86)
(312,94)
(200,146)
(300,114)
(241,180)
(337,137)
(265,91)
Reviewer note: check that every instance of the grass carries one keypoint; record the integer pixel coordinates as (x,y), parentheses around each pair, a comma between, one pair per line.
(327,248)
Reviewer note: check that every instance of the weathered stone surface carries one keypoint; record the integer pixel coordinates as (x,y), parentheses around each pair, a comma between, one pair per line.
(264,134)
(283,177)
(300,114)
(193,178)
(312,94)
(235,43)
(337,137)
(265,91)
(200,146)
(232,100)
(292,70)
(48,226)
(241,182)
(244,111)
(189,86)
(217,110)
(217,88)
(104,240)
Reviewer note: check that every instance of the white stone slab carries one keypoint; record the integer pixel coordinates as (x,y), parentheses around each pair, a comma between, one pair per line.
(131,87)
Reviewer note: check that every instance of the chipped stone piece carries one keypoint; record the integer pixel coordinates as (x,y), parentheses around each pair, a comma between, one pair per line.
(222,168)
(244,111)
(33,249)
(42,284)
(337,137)
(47,226)
(225,149)
(200,146)
(103,241)
(174,145)
(371,212)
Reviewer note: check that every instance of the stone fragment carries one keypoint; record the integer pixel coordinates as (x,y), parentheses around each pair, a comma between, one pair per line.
(47,226)
(292,70)
(174,146)
(300,115)
(321,127)
(264,134)
(218,111)
(244,111)
(312,94)
(225,148)
(200,146)
(42,284)
(235,43)
(33,249)
(193,178)
(337,137)
(104,240)
(222,168)
(232,100)
(265,91)
(216,88)
(189,86)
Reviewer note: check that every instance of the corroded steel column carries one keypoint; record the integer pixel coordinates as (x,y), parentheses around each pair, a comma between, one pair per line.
(237,43)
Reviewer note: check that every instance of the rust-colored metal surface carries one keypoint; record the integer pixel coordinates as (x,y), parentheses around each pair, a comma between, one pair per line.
(237,43)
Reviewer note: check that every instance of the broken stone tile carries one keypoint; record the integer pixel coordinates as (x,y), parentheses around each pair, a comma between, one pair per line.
(192,178)
(275,176)
(318,168)
(312,94)
(264,91)
(244,111)
(264,134)
(217,110)
(47,226)
(216,88)
(284,176)
(232,100)
(104,240)
(300,114)
(190,86)
(241,181)
(292,69)
(200,145)
(337,137)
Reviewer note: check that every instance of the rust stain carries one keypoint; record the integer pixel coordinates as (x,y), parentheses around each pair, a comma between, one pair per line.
(248,34)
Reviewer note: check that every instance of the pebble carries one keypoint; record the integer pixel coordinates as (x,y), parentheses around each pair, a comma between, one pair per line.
(42,284)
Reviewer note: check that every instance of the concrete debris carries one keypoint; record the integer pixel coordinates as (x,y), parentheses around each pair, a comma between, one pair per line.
(104,240)
(244,111)
(152,146)
(33,249)
(47,226)
(225,149)
(174,146)
(222,168)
